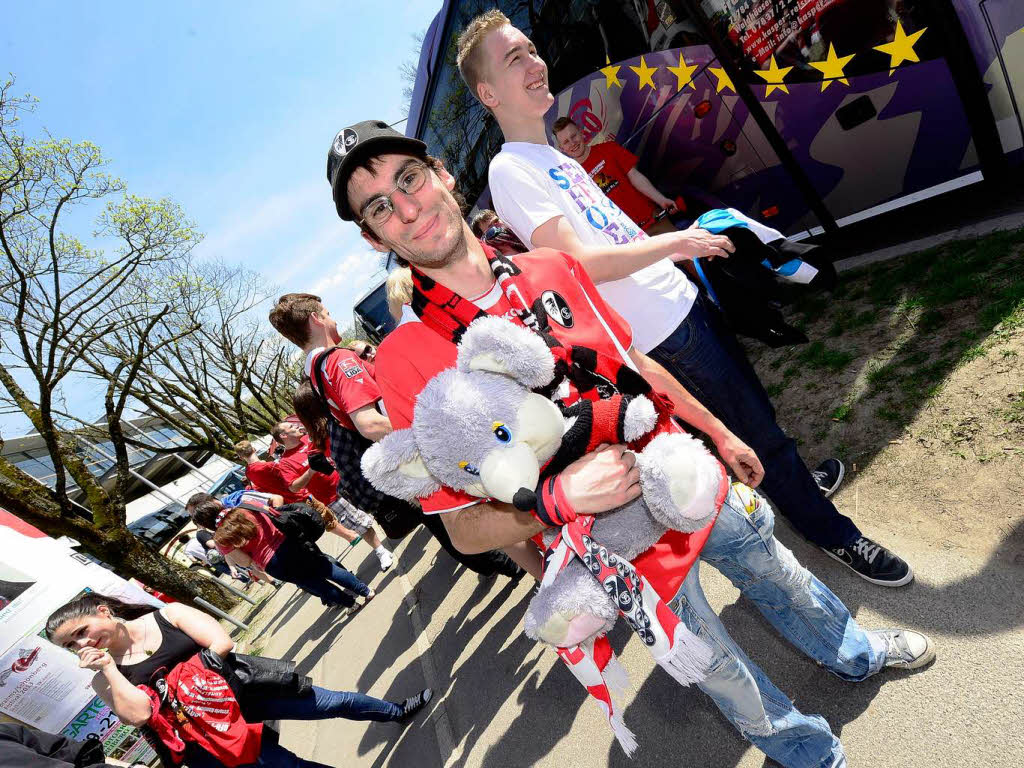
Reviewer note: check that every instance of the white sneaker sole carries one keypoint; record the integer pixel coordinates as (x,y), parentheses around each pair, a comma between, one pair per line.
(880,582)
(837,483)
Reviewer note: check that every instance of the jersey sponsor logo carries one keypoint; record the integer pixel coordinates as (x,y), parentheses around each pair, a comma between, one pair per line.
(557,308)
(351,370)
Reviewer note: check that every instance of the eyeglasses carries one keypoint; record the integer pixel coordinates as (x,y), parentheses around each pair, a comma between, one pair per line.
(379,209)
(365,354)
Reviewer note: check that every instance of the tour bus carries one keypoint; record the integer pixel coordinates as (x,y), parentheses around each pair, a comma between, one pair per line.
(807,114)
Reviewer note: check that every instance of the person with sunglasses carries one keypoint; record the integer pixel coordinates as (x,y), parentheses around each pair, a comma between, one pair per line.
(365,351)
(496,233)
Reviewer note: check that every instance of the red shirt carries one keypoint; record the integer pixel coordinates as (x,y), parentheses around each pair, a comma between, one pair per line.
(263,546)
(293,464)
(609,165)
(264,477)
(412,354)
(348,383)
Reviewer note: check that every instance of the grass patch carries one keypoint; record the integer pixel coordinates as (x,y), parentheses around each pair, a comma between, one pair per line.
(880,376)
(817,355)
(850,320)
(888,413)
(774,390)
(842,413)
(1015,413)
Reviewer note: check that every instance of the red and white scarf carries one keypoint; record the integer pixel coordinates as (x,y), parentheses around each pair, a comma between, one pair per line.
(673,646)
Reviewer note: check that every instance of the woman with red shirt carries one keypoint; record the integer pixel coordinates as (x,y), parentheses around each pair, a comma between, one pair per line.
(250,538)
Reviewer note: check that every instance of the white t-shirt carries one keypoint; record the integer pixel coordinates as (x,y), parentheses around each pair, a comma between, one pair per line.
(533,183)
(196,550)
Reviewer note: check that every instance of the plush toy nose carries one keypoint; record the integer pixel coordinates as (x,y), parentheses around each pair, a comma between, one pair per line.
(525,500)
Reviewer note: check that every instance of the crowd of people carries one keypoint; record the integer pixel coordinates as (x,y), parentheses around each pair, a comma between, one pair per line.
(583,249)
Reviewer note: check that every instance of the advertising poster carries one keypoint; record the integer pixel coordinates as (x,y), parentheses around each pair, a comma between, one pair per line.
(41,685)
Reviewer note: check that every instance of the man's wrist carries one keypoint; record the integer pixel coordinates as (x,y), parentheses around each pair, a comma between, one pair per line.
(553,507)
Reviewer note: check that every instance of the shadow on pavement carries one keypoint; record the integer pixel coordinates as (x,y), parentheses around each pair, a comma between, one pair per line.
(482,683)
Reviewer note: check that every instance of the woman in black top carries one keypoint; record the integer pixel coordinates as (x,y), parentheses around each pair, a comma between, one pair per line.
(126,644)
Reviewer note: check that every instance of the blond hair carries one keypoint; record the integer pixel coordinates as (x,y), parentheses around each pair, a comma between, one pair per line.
(399,290)
(469,57)
(244,448)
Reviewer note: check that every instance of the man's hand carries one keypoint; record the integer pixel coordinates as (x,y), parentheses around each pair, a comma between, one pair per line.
(741,459)
(601,481)
(667,204)
(696,243)
(95,659)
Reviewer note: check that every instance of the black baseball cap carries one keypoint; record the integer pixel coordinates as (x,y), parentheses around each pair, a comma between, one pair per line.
(352,145)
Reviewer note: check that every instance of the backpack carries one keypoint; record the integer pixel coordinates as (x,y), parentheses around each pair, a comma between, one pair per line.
(395,516)
(192,704)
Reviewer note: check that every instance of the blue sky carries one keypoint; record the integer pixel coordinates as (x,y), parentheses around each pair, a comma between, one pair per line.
(229,109)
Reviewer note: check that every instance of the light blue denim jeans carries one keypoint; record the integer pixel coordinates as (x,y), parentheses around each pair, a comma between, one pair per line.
(742,546)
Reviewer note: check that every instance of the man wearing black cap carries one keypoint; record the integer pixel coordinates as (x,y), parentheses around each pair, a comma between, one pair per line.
(402,201)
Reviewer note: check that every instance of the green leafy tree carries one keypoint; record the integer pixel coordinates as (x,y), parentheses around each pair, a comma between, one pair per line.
(61,300)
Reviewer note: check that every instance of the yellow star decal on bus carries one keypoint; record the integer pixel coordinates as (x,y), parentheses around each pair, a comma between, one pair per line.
(724,81)
(611,74)
(684,74)
(832,67)
(902,47)
(645,73)
(774,76)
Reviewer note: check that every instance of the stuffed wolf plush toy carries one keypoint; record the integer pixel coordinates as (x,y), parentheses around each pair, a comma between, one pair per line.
(481,428)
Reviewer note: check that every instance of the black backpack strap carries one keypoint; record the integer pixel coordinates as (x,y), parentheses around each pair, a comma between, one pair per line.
(254,508)
(317,370)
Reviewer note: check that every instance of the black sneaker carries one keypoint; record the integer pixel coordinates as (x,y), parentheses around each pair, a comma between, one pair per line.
(414,704)
(829,476)
(873,562)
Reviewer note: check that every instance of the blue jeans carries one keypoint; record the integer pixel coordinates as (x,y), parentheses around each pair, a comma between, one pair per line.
(706,359)
(742,546)
(293,564)
(321,704)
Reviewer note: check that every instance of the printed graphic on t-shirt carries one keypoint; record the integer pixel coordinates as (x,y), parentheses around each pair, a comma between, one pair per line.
(605,182)
(600,212)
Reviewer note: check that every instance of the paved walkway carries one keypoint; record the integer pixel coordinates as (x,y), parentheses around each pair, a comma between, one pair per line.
(503,701)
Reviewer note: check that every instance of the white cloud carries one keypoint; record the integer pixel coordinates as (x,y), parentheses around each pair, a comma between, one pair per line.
(256,222)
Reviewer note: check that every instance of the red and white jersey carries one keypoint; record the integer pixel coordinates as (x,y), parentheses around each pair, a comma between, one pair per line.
(294,463)
(348,385)
(412,354)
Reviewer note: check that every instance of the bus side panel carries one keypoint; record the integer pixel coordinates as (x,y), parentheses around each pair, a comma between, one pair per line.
(880,138)
(995,32)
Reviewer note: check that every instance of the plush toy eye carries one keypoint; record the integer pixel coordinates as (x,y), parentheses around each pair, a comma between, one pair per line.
(469,468)
(503,433)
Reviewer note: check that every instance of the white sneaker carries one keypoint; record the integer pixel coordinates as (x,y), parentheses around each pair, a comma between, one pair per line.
(386,560)
(905,648)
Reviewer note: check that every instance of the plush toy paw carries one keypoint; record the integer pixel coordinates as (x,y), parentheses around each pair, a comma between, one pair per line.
(640,418)
(680,481)
(564,631)
(572,608)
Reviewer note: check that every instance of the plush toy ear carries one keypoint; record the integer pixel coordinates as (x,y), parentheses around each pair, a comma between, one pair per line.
(393,466)
(496,345)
